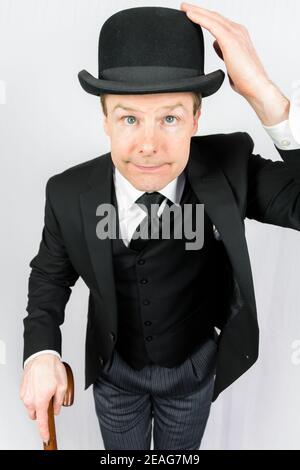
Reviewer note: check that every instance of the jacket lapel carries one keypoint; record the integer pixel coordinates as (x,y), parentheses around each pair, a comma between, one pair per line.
(100,251)
(213,190)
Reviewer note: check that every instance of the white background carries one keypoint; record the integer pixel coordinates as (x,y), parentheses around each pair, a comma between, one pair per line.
(48,123)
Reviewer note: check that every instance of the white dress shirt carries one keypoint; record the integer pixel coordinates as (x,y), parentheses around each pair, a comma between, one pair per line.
(130,213)
(285,135)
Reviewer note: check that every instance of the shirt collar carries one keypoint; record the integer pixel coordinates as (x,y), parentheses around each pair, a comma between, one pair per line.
(127,194)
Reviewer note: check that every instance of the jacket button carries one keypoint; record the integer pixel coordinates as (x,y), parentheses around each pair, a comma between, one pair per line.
(148,323)
(247,356)
(112,335)
(149,338)
(144,281)
(141,261)
(216,233)
(101,360)
(146,302)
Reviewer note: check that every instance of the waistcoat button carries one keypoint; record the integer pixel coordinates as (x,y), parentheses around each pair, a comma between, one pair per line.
(112,335)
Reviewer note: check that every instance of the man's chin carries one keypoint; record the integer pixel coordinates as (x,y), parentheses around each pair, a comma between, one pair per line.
(144,181)
(149,183)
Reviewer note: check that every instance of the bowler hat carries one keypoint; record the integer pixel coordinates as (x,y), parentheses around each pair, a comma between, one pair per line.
(150,50)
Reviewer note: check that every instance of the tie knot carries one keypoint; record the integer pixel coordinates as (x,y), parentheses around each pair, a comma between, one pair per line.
(147,199)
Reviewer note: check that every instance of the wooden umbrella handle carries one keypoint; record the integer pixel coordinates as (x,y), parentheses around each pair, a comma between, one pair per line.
(52,444)
(68,401)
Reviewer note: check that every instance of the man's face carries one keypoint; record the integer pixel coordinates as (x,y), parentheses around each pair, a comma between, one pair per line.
(150,136)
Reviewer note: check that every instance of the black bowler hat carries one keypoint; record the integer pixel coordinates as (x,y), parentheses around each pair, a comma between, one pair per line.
(150,50)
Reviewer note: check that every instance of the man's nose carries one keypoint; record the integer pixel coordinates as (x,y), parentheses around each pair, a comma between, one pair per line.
(148,140)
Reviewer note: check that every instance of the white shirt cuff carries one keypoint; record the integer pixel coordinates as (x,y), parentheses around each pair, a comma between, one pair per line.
(286,134)
(45,351)
(294,115)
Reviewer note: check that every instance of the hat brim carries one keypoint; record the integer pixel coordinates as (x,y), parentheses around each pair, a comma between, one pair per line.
(205,84)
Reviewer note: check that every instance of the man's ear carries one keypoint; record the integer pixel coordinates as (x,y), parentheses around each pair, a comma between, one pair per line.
(196,121)
(105,124)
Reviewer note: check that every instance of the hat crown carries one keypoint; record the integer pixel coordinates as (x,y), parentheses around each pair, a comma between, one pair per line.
(151,50)
(150,36)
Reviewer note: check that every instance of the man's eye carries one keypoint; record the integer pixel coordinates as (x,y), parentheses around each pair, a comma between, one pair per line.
(172,117)
(129,119)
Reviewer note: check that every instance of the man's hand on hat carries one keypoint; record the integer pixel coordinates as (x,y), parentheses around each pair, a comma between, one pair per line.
(233,45)
(246,73)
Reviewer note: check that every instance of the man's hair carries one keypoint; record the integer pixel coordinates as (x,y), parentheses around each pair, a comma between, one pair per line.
(197,96)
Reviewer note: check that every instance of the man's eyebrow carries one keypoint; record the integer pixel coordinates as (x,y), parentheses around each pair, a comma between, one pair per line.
(126,108)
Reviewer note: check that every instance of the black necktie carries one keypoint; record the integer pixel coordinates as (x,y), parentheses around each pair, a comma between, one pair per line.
(149,222)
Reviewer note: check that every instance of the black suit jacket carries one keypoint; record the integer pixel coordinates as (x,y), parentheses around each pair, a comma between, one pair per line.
(231,181)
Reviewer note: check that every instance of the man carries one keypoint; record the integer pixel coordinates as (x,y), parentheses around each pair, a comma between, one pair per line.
(152,350)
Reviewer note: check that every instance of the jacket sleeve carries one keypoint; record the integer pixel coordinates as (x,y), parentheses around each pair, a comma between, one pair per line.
(49,287)
(273,193)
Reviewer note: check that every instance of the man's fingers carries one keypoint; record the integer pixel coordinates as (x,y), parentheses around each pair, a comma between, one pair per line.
(42,421)
(204,11)
(30,410)
(58,400)
(32,415)
(214,22)
(216,27)
(23,386)
(218,49)
(56,407)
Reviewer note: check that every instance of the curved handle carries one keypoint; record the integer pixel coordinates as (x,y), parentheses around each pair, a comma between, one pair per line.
(68,401)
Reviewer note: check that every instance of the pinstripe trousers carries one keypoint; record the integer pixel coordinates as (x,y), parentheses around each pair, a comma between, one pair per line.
(175,400)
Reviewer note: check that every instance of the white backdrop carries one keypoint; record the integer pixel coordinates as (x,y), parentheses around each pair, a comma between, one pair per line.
(48,123)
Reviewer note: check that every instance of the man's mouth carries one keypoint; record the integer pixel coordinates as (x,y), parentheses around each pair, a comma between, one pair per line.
(150,168)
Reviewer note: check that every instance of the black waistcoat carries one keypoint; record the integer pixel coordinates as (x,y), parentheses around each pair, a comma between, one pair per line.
(167,296)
